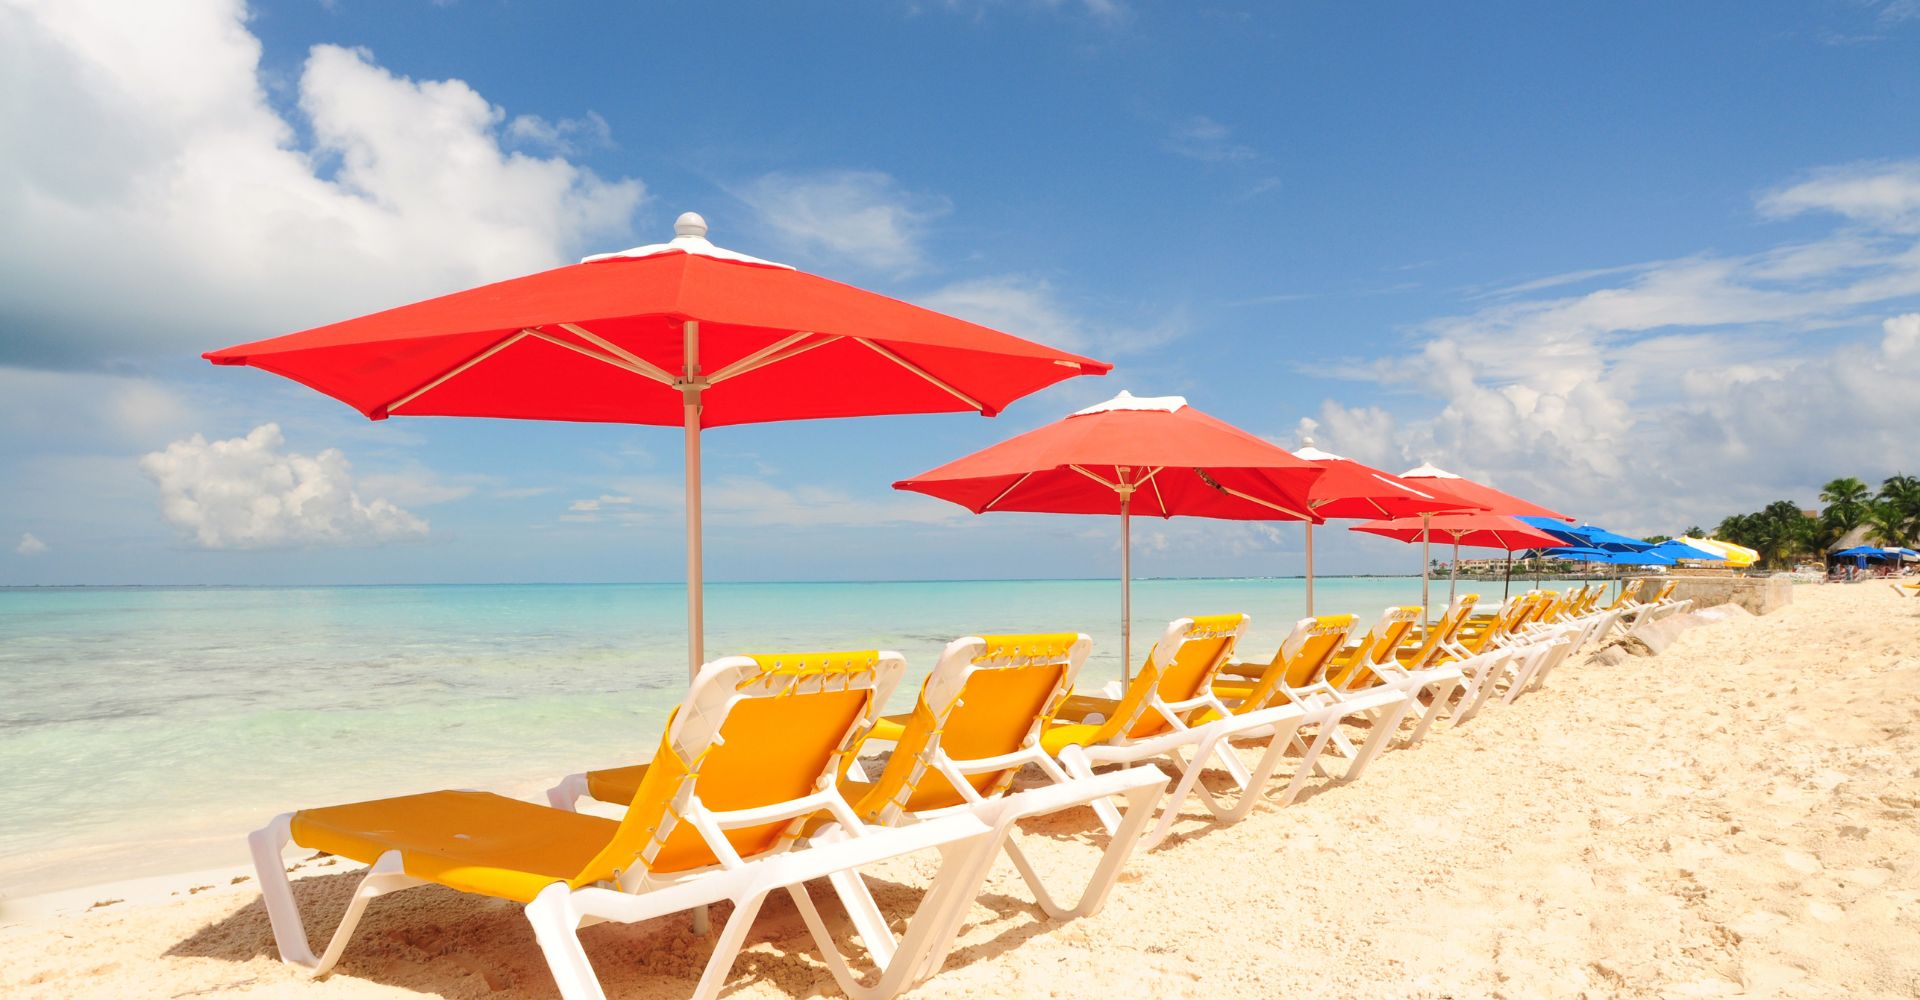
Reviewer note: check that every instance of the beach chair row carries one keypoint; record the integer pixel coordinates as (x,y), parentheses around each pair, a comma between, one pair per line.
(758,786)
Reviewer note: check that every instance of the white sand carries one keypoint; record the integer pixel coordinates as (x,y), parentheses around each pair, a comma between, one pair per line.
(1738,816)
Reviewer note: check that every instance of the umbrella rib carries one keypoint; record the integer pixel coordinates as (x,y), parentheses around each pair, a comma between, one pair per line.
(1003,493)
(922,372)
(641,365)
(773,353)
(1112,486)
(1230,491)
(642,369)
(1157,498)
(457,369)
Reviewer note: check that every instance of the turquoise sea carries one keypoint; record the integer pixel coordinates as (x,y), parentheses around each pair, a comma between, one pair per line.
(146,730)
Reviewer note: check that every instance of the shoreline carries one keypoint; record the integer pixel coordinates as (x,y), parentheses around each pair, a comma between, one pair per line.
(1735,815)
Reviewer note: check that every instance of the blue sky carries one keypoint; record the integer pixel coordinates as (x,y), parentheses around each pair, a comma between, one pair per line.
(1647,263)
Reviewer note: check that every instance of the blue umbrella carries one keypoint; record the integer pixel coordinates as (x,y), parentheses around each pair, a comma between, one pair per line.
(1863,552)
(1648,558)
(1587,536)
(1676,549)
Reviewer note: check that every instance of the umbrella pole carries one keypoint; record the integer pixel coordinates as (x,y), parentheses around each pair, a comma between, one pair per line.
(1453,572)
(1506,589)
(1126,591)
(1309,569)
(1426,560)
(696,583)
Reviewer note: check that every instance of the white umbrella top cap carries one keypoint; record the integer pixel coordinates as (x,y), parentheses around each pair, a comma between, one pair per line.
(1428,470)
(1308,453)
(689,236)
(1128,401)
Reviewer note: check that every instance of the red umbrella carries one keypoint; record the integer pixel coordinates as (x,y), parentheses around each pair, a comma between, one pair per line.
(1471,528)
(1483,496)
(1480,494)
(1157,455)
(679,333)
(1350,489)
(1481,530)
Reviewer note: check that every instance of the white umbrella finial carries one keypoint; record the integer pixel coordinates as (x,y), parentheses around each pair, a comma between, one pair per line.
(690,224)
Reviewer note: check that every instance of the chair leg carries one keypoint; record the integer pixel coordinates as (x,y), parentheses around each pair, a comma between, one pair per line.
(1386,725)
(1441,696)
(862,911)
(1074,760)
(568,793)
(726,947)
(556,926)
(283,912)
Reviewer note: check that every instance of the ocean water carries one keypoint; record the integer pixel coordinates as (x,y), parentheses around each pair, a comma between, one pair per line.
(147,730)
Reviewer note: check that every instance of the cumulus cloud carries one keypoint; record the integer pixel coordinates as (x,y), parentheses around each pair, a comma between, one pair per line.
(150,152)
(30,545)
(251,493)
(862,217)
(1660,393)
(1902,338)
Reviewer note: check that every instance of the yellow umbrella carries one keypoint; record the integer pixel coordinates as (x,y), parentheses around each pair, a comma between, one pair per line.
(1738,556)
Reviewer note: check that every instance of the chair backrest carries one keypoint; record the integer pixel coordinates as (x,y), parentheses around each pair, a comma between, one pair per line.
(1627,594)
(1180,667)
(987,697)
(1665,591)
(1543,601)
(1593,597)
(1301,660)
(1376,647)
(1503,622)
(1443,631)
(754,731)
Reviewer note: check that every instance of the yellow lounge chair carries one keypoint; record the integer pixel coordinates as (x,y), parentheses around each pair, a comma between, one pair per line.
(746,761)
(1297,676)
(1158,716)
(975,724)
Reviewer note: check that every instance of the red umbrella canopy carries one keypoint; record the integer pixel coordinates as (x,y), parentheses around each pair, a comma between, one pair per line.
(1480,494)
(619,338)
(1350,489)
(1470,528)
(1171,458)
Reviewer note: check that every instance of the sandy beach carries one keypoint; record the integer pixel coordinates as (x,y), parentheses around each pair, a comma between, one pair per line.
(1734,817)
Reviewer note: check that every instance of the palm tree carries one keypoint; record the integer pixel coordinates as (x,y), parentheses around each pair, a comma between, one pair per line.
(1902,492)
(1695,531)
(1887,525)
(1846,501)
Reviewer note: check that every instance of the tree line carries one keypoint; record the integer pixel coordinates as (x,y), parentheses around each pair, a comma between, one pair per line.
(1782,532)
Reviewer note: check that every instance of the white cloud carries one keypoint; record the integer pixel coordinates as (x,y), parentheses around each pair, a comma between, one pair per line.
(1030,308)
(1202,138)
(1678,390)
(862,217)
(566,136)
(150,152)
(249,493)
(1902,340)
(30,545)
(1104,11)
(736,501)
(419,487)
(1879,193)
